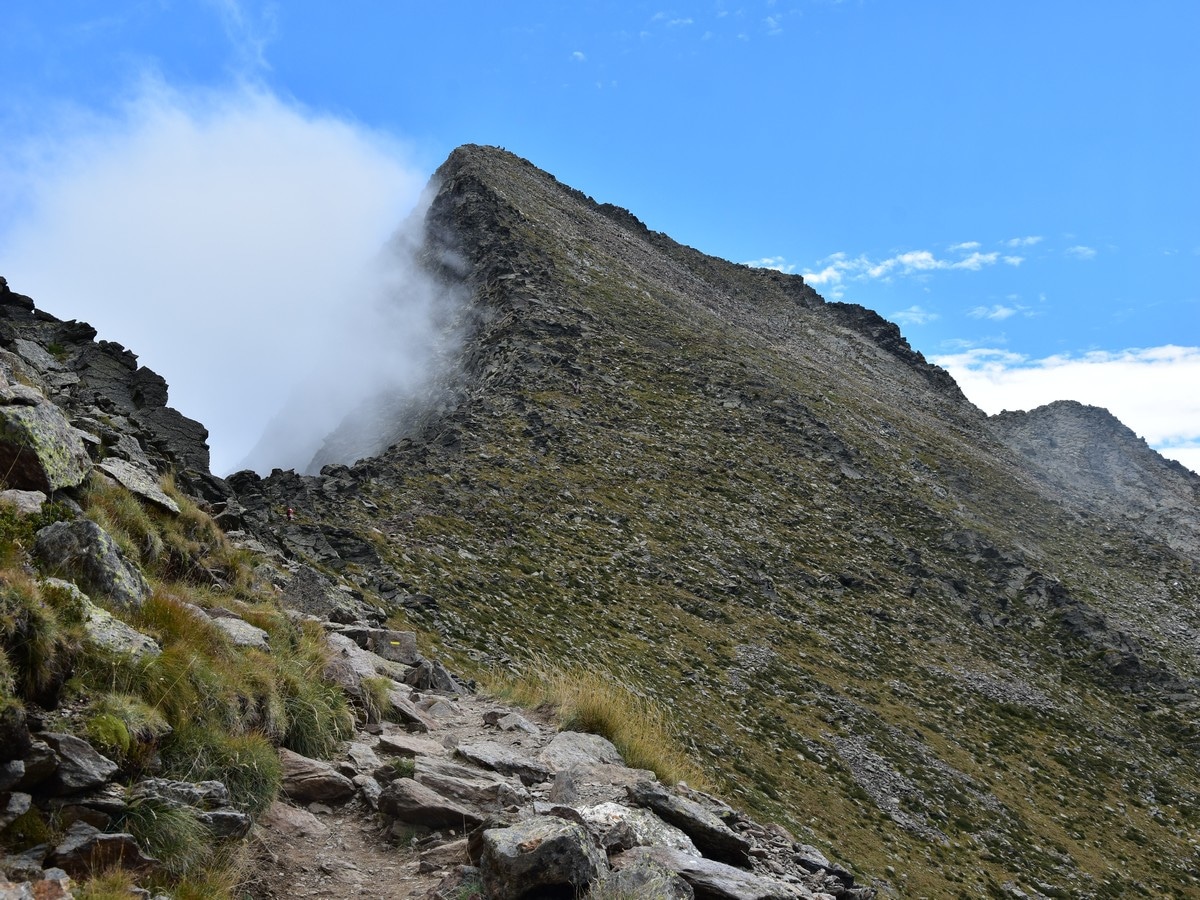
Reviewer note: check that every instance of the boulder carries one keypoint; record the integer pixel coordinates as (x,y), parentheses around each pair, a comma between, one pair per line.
(79,767)
(712,880)
(12,806)
(573,748)
(242,634)
(541,853)
(84,548)
(139,480)
(39,449)
(27,503)
(415,804)
(505,760)
(484,790)
(646,878)
(428,675)
(104,629)
(314,594)
(51,884)
(396,743)
(395,646)
(86,850)
(291,821)
(306,780)
(710,835)
(647,829)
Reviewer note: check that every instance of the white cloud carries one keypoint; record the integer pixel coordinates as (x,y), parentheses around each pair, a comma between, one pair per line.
(1014,260)
(1151,390)
(229,239)
(1029,241)
(776,263)
(975,261)
(678,23)
(578,56)
(914,315)
(965,245)
(1081,252)
(996,313)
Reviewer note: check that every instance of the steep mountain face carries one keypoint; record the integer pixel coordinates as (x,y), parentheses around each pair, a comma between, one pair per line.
(1086,456)
(903,630)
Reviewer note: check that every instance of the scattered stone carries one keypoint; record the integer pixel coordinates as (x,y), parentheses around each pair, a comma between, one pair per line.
(86,850)
(13,806)
(27,503)
(79,767)
(710,879)
(647,828)
(398,743)
(242,634)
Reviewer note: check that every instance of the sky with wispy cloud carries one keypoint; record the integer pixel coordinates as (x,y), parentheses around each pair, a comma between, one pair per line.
(1014,184)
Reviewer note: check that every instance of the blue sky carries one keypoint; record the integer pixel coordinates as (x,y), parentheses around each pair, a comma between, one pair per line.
(1015,184)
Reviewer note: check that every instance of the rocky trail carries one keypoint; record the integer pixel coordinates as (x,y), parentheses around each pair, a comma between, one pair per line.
(473,797)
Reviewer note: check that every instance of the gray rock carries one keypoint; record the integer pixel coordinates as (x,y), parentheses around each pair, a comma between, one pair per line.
(138,480)
(505,760)
(306,780)
(27,503)
(242,634)
(105,630)
(397,743)
(712,880)
(485,790)
(39,449)
(363,757)
(292,822)
(86,850)
(712,836)
(649,880)
(539,853)
(429,675)
(79,767)
(395,646)
(12,807)
(226,824)
(648,829)
(315,594)
(199,794)
(408,712)
(11,773)
(84,548)
(416,804)
(51,884)
(573,748)
(370,789)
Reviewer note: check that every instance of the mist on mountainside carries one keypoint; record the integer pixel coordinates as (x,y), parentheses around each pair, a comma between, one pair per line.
(395,343)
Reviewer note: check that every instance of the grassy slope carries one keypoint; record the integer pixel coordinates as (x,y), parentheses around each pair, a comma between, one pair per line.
(697,477)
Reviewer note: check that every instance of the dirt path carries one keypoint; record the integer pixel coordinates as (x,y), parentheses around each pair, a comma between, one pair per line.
(347,851)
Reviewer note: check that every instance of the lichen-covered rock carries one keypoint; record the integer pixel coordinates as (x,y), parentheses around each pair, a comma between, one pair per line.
(86,850)
(84,549)
(39,449)
(541,853)
(713,837)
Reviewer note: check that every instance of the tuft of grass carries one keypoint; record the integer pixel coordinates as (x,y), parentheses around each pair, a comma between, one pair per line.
(170,833)
(37,647)
(376,703)
(126,728)
(248,764)
(598,702)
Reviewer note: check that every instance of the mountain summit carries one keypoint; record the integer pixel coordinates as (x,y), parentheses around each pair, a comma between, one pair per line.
(934,639)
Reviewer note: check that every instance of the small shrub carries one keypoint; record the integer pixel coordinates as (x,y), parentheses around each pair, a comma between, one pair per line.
(115,884)
(398,767)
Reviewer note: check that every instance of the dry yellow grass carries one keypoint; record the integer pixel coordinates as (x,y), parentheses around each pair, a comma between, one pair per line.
(598,702)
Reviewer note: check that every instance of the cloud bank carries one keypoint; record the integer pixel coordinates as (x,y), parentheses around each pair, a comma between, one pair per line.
(231,239)
(1153,390)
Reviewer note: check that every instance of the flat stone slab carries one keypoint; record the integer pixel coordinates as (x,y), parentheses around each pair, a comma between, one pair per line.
(711,879)
(505,760)
(138,480)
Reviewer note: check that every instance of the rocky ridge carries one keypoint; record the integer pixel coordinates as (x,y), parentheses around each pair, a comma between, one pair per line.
(771,514)
(874,621)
